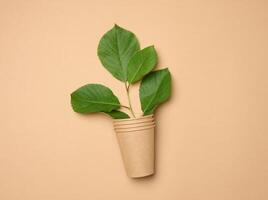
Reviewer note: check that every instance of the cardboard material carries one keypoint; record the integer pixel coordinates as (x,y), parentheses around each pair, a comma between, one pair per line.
(138,120)
(136,141)
(119,127)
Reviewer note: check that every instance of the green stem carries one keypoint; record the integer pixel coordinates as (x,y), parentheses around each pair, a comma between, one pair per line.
(129,101)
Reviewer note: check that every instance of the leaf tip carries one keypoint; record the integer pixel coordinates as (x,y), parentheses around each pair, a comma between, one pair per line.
(165,70)
(116,26)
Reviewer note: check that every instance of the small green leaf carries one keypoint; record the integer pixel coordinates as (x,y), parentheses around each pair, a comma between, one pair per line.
(116,114)
(94,98)
(115,49)
(155,89)
(141,64)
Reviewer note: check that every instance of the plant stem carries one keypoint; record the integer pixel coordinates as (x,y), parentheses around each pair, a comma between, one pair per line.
(129,101)
(125,107)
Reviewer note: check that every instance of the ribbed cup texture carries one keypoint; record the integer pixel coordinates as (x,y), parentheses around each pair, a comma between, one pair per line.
(136,141)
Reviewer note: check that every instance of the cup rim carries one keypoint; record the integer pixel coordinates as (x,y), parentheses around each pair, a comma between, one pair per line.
(126,123)
(133,119)
(131,126)
(134,129)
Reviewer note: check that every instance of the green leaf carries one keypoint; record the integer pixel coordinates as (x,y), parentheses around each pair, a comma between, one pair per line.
(155,89)
(94,98)
(116,114)
(141,64)
(115,49)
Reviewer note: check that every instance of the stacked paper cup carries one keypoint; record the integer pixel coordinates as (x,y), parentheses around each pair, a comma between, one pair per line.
(136,141)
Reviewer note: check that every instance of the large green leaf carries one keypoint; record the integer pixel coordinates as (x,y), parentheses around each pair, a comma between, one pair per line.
(116,114)
(115,49)
(141,64)
(94,98)
(155,89)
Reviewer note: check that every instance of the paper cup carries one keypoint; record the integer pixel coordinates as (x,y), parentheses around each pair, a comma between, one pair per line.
(142,119)
(136,141)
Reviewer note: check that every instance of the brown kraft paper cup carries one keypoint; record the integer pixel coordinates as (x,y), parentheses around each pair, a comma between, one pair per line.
(135,137)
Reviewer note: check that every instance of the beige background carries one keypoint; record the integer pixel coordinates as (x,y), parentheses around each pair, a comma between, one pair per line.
(211,137)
